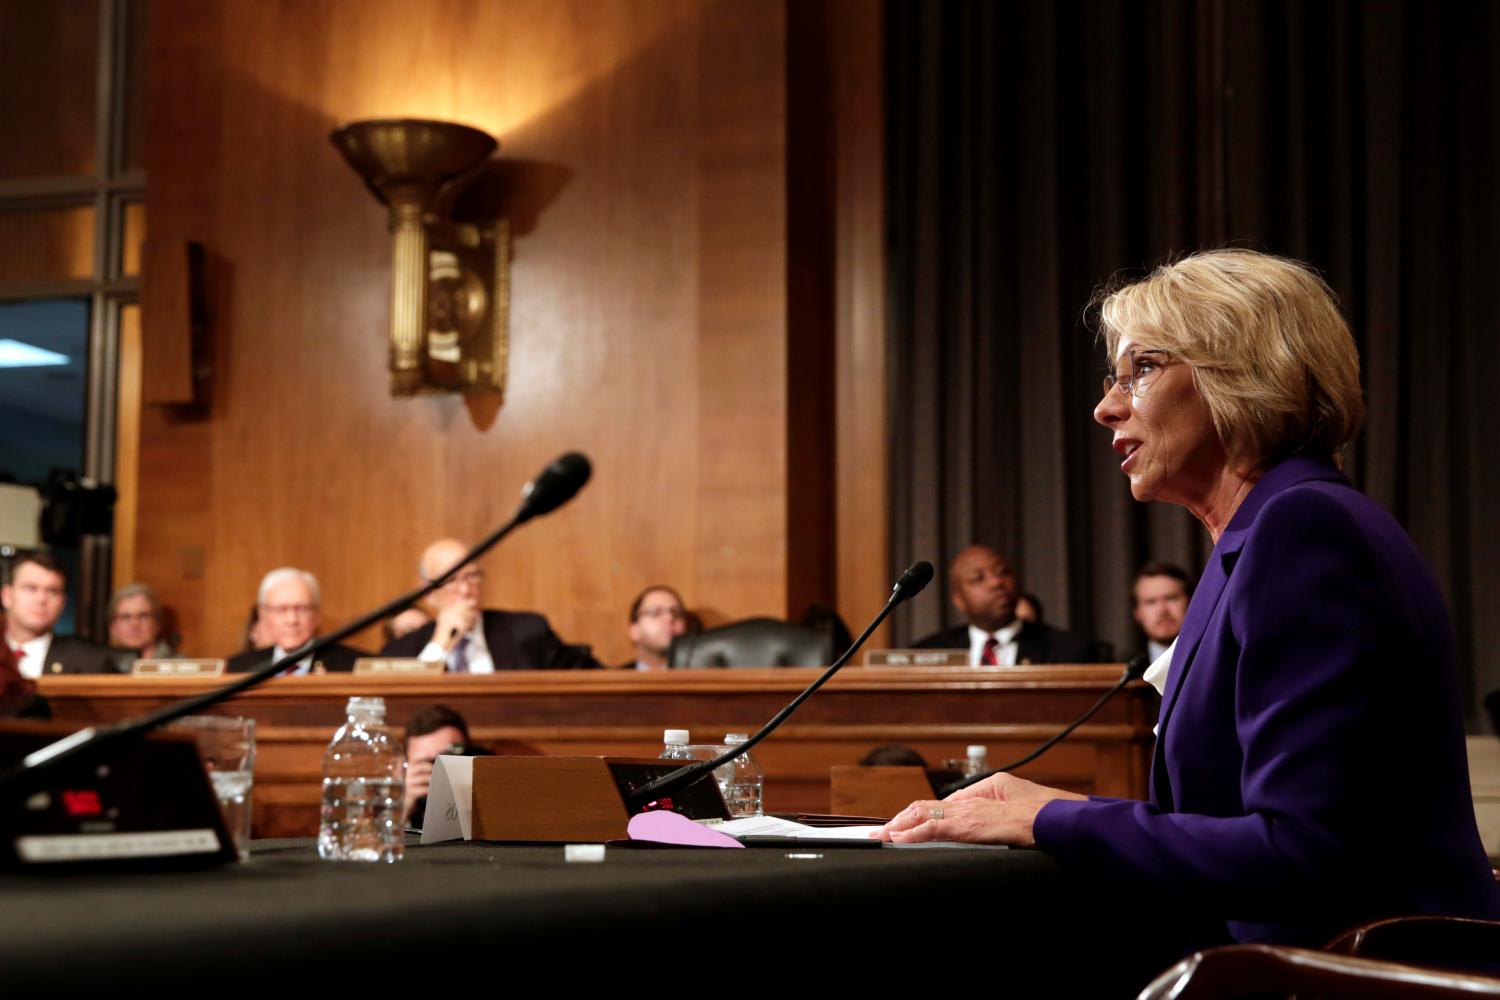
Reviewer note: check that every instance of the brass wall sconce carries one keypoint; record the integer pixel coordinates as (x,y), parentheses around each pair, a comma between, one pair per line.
(450,276)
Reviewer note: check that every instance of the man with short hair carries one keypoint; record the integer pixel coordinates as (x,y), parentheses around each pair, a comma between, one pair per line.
(472,639)
(432,731)
(1158,602)
(983,588)
(34,600)
(657,616)
(290,608)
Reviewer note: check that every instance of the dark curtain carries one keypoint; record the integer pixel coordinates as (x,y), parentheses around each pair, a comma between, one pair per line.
(1035,150)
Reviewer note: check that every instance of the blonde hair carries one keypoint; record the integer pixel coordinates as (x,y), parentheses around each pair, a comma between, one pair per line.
(1270,353)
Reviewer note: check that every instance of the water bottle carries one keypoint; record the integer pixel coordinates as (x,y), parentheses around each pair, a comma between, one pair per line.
(676,746)
(977,761)
(364,788)
(745,780)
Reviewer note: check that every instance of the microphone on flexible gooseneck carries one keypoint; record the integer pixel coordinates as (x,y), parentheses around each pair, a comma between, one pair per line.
(1133,672)
(556,485)
(917,576)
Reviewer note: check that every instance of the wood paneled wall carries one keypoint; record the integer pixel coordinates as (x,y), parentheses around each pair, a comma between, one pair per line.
(650,315)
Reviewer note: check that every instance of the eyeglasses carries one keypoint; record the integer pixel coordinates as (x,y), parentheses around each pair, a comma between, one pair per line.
(676,614)
(1135,371)
(134,617)
(468,578)
(288,610)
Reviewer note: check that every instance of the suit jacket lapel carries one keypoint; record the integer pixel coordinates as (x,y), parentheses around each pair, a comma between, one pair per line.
(1200,610)
(1028,646)
(1211,588)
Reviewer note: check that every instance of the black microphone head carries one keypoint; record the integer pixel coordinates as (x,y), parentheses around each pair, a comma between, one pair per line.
(555,486)
(917,576)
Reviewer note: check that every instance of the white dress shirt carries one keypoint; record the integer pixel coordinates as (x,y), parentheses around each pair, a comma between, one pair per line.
(476,654)
(34,656)
(1156,674)
(302,666)
(1005,652)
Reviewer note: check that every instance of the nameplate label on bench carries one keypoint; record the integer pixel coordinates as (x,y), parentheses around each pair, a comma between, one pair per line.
(378,665)
(176,668)
(917,658)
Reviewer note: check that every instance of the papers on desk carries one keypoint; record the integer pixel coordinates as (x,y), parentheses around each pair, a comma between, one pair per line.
(770,826)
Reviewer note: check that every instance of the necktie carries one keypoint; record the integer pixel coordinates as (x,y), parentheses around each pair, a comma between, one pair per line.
(458,657)
(991,647)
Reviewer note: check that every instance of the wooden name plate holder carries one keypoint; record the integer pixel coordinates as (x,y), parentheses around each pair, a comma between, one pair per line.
(404,666)
(575,799)
(150,806)
(177,667)
(878,791)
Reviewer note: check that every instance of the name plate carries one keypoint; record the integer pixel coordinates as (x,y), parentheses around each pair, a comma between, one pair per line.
(917,658)
(380,665)
(149,667)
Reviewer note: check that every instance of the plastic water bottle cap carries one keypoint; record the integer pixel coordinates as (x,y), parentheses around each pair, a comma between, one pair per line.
(735,739)
(586,853)
(366,707)
(975,750)
(675,737)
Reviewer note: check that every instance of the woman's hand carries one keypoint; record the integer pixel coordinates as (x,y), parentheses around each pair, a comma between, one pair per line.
(998,810)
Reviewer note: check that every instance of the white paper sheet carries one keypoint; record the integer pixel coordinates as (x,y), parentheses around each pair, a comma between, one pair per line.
(770,826)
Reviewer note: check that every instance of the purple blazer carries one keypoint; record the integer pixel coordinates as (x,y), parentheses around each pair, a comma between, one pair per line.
(1310,770)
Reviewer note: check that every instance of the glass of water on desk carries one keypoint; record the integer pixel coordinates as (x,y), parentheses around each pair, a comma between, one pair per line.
(227,746)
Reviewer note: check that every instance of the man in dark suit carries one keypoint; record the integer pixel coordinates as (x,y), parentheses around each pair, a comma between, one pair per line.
(1158,603)
(34,600)
(657,616)
(471,640)
(984,590)
(290,605)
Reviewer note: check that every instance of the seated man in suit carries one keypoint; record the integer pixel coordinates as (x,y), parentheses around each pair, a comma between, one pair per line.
(479,642)
(1158,602)
(984,590)
(34,600)
(290,607)
(656,618)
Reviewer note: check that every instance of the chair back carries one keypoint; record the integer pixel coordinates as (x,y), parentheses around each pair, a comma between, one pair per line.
(754,642)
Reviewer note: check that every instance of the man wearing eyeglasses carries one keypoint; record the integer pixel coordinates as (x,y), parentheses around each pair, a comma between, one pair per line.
(34,600)
(473,639)
(290,605)
(657,616)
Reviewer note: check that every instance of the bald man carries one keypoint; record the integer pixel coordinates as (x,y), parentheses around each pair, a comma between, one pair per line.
(983,588)
(472,639)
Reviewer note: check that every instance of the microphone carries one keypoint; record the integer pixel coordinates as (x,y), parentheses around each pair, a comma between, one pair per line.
(1133,672)
(556,485)
(917,576)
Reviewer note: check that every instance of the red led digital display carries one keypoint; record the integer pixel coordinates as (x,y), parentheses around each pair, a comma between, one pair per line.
(82,802)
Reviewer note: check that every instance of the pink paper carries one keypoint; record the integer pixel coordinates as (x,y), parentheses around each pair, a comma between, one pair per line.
(665,827)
